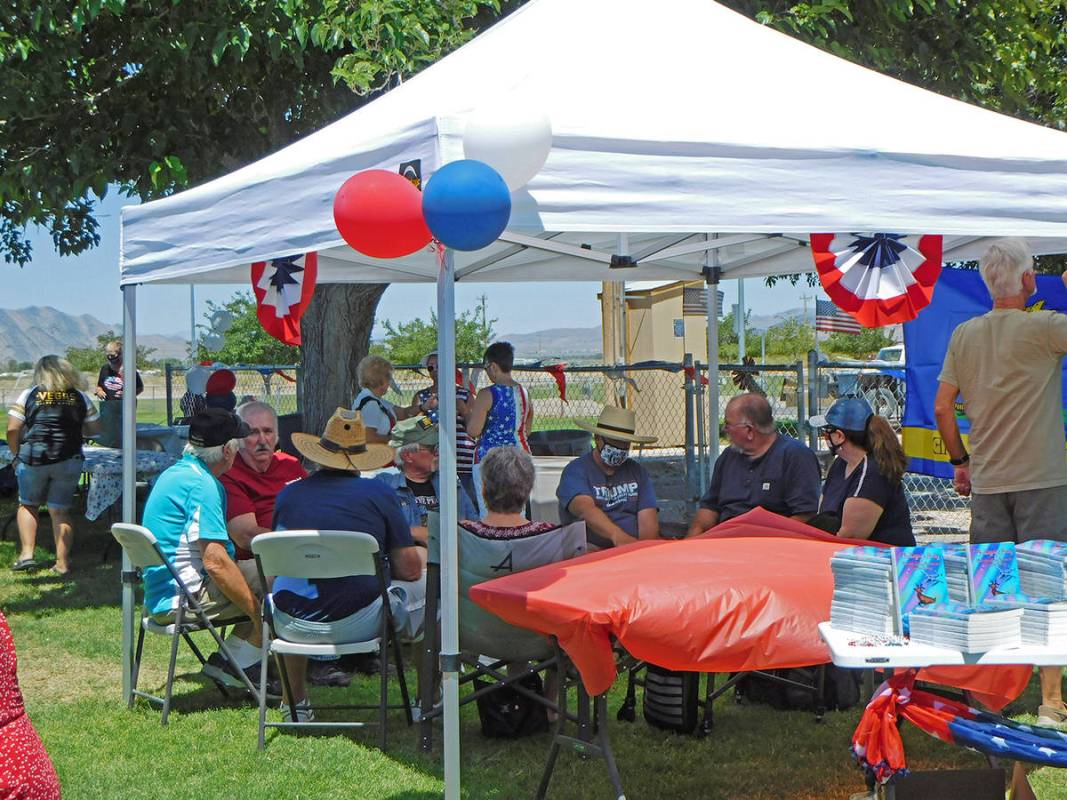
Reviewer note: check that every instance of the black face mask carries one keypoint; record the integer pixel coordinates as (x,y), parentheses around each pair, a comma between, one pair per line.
(834,448)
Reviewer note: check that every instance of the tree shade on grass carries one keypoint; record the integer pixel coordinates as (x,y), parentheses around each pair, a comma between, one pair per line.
(67,635)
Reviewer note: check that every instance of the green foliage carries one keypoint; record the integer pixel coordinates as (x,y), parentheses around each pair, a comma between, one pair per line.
(155,95)
(792,338)
(90,359)
(245,341)
(858,345)
(409,342)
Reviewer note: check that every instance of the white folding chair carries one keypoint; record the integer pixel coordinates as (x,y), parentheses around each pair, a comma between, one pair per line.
(312,554)
(143,551)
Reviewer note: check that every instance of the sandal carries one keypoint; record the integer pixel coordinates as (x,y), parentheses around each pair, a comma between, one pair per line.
(1050,716)
(25,565)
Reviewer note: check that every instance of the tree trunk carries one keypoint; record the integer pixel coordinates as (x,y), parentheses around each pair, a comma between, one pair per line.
(335,331)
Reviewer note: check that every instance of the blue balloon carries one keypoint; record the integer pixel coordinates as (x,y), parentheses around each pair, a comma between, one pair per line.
(466,205)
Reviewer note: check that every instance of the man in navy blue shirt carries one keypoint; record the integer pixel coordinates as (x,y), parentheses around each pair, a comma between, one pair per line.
(760,469)
(338,610)
(606,488)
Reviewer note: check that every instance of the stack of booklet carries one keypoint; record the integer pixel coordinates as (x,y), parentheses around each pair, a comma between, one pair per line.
(1042,568)
(956,572)
(863,590)
(996,581)
(971,629)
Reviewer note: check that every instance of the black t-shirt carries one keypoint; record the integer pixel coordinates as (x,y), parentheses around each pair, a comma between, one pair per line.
(425,495)
(52,424)
(784,480)
(111,382)
(867,481)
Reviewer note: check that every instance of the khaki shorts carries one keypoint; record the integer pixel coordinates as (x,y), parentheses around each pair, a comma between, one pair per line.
(1019,516)
(217,605)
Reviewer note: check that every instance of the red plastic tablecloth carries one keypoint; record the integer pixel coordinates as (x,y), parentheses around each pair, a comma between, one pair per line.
(747,595)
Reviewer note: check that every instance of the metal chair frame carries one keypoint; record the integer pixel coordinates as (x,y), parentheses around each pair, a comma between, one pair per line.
(143,550)
(278,646)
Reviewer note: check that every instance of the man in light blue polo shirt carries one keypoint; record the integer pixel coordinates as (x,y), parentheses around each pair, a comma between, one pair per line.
(186,511)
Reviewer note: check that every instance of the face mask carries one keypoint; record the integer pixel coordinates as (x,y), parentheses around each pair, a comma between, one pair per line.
(613,456)
(834,447)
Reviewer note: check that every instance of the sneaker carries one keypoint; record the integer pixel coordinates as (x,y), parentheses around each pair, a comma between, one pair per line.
(222,671)
(327,673)
(304,713)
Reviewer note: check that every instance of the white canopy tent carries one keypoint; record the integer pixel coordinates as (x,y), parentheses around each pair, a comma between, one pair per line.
(688,141)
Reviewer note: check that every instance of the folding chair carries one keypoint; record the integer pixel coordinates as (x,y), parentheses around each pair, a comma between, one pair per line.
(143,551)
(326,554)
(482,633)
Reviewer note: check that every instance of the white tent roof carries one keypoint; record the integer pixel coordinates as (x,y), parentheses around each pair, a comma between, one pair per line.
(667,125)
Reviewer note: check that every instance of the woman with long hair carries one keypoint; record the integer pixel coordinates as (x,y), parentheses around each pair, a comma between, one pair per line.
(864,488)
(45,427)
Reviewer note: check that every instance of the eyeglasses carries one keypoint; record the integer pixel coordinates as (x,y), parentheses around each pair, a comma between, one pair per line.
(431,369)
(727,425)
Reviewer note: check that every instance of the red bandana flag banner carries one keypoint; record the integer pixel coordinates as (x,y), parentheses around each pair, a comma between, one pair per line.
(283,288)
(878,278)
(558,374)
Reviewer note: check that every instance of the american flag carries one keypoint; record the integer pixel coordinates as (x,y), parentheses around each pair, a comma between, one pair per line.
(832,319)
(694,302)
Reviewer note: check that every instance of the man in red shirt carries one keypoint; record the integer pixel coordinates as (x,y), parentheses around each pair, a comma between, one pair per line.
(258,473)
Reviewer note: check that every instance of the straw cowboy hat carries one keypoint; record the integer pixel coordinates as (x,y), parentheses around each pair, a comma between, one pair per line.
(618,424)
(343,445)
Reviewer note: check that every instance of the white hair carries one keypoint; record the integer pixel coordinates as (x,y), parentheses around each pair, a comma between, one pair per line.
(1002,267)
(411,447)
(253,406)
(212,455)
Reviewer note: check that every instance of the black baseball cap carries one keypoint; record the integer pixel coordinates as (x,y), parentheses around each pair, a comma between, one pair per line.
(214,426)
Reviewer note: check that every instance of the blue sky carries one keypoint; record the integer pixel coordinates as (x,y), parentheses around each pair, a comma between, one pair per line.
(88,284)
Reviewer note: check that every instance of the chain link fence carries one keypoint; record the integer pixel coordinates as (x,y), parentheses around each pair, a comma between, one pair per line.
(671,403)
(276,385)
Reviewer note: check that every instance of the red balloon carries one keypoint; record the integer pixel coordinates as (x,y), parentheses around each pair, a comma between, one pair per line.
(379,213)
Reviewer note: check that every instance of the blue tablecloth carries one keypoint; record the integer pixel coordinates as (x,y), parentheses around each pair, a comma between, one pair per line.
(104,467)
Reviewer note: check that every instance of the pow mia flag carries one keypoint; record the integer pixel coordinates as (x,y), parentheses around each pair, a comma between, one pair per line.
(412,170)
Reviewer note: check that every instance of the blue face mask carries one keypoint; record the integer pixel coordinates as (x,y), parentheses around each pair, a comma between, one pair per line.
(613,456)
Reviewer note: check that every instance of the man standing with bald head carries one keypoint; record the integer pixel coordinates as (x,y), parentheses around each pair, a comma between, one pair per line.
(760,469)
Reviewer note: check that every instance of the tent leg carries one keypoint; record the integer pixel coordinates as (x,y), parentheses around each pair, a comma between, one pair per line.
(712,274)
(450,660)
(129,485)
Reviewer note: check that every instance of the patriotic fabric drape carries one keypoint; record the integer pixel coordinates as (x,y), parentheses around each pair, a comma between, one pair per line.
(283,288)
(879,278)
(879,749)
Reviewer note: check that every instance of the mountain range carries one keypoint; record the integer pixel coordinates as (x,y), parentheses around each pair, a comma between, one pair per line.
(26,334)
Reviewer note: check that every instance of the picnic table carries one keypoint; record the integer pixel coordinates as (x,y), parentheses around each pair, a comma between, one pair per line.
(103,465)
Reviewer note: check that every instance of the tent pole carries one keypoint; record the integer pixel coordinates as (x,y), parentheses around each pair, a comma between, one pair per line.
(129,476)
(712,274)
(446,370)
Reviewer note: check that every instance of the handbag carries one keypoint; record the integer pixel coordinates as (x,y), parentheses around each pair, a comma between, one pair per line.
(508,714)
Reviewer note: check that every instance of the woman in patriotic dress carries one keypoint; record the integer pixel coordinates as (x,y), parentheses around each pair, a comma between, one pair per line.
(26,772)
(500,415)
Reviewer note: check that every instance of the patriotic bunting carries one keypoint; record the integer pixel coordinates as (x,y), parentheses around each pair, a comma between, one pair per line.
(879,278)
(283,289)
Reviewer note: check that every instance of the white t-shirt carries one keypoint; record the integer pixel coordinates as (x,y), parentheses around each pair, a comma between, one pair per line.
(378,413)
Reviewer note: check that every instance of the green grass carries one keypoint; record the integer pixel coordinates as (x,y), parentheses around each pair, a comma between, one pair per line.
(67,636)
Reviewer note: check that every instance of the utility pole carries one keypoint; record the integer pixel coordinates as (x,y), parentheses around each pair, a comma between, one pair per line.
(805,298)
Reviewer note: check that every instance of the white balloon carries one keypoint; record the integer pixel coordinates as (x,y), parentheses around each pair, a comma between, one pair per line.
(513,140)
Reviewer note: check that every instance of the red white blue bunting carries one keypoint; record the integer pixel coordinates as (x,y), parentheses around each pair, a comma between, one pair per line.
(878,278)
